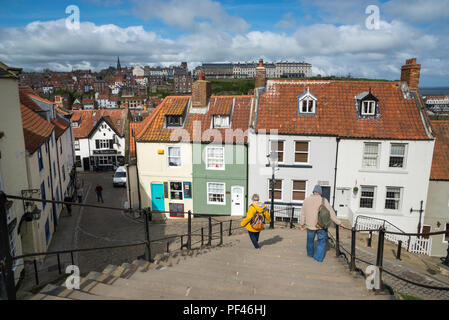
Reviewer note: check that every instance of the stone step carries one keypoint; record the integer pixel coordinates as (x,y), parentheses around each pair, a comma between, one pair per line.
(239,282)
(41,296)
(60,291)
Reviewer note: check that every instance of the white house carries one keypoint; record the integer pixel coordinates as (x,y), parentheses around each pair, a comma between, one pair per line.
(367,142)
(99,138)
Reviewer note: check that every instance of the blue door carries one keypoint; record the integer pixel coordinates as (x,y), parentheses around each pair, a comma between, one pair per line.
(47,232)
(157,197)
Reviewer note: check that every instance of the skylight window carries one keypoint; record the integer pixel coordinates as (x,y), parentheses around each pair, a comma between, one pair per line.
(368,108)
(367,104)
(173,121)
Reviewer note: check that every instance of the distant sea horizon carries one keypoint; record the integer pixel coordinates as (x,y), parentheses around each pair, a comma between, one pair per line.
(434,90)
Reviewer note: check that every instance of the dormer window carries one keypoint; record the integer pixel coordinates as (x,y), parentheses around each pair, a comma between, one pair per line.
(221,121)
(367,105)
(368,108)
(173,121)
(307,103)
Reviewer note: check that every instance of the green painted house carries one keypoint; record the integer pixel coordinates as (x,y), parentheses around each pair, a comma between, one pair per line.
(220,179)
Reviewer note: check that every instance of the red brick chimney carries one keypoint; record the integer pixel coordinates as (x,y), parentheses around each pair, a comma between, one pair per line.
(201,91)
(410,73)
(261,75)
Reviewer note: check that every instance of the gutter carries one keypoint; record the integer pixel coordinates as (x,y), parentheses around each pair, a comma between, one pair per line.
(335,173)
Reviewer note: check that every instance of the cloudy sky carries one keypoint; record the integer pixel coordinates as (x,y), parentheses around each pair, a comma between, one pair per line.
(337,37)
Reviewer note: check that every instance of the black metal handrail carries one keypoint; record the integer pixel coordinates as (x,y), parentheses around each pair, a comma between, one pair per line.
(380,252)
(383,220)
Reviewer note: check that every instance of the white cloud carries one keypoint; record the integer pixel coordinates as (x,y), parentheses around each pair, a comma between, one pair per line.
(418,10)
(194,15)
(331,49)
(288,21)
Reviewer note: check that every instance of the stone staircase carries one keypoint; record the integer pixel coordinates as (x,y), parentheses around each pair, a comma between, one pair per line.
(280,270)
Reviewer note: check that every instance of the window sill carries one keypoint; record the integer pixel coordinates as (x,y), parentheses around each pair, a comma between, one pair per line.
(216,203)
(393,171)
(305,166)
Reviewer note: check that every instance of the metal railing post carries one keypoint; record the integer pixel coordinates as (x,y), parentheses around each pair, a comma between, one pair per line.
(71,256)
(36,273)
(168,247)
(182,242)
(147,236)
(291,218)
(380,252)
(59,264)
(446,260)
(370,239)
(353,235)
(209,243)
(189,230)
(337,240)
(230,227)
(221,233)
(398,253)
(7,285)
(202,236)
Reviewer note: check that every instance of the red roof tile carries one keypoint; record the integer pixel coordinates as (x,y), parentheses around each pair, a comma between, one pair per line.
(336,113)
(35,128)
(88,119)
(153,127)
(440,161)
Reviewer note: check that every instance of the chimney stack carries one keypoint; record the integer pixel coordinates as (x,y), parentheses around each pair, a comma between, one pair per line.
(410,73)
(201,91)
(261,75)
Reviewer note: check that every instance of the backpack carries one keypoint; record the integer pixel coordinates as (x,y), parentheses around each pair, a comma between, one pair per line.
(258,220)
(324,217)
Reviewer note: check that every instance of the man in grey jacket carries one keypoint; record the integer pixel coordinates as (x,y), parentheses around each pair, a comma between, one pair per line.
(309,219)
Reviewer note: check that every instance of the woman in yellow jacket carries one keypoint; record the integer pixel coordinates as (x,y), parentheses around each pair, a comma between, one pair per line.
(256,206)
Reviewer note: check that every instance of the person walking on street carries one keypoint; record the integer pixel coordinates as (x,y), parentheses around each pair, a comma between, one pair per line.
(99,190)
(255,219)
(80,194)
(309,219)
(68,206)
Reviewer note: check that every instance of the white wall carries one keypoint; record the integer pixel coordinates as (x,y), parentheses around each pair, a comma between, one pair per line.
(413,179)
(321,162)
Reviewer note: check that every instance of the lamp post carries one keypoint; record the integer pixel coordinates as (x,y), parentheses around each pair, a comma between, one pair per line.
(272,158)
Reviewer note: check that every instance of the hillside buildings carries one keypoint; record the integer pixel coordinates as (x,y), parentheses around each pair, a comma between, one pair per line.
(248,70)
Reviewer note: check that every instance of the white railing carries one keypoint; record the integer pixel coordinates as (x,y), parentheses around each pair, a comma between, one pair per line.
(421,245)
(285,211)
(417,245)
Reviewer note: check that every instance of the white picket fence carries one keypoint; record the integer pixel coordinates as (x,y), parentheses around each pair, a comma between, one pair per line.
(417,245)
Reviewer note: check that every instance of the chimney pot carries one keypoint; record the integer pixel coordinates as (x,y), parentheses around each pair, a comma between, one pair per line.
(260,63)
(201,75)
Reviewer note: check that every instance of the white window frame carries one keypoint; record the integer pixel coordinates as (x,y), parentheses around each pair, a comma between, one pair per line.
(404,163)
(76,144)
(445,241)
(168,157)
(207,158)
(221,117)
(307,100)
(170,190)
(399,200)
(102,143)
(371,105)
(282,190)
(374,197)
(305,191)
(277,151)
(364,155)
(224,194)
(308,152)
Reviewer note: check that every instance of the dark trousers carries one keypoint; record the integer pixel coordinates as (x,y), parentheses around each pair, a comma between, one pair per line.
(80,199)
(99,197)
(69,209)
(254,236)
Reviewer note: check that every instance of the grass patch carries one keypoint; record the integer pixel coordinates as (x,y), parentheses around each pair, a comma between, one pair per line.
(406,296)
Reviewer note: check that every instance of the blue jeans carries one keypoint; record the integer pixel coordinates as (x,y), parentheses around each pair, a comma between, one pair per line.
(318,255)
(254,236)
